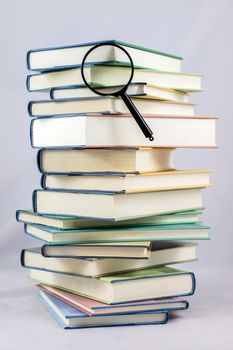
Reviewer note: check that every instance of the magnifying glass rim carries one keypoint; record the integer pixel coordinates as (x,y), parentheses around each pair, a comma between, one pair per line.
(125,86)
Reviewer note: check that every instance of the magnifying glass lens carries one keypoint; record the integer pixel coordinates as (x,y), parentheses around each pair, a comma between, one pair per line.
(107,78)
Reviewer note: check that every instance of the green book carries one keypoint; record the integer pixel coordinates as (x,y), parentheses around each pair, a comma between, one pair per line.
(69,222)
(128,234)
(161,282)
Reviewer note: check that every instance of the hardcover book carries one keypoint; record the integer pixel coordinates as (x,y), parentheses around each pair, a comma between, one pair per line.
(121,131)
(69,222)
(153,283)
(116,206)
(91,307)
(186,82)
(120,234)
(141,90)
(162,253)
(69,56)
(127,183)
(69,317)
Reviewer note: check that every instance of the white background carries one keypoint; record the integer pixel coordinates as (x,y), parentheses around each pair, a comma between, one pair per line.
(201,32)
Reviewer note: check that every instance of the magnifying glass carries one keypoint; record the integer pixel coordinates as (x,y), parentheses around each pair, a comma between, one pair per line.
(103,86)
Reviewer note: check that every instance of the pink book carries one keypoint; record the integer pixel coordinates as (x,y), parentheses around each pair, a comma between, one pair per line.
(92,307)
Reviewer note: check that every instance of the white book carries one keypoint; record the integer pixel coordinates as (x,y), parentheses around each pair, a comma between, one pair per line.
(122,131)
(111,105)
(140,90)
(187,82)
(129,182)
(116,206)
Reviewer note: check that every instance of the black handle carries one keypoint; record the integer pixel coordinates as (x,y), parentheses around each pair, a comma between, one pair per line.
(137,116)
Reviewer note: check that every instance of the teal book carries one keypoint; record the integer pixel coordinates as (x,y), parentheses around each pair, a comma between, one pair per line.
(127,234)
(69,222)
(55,58)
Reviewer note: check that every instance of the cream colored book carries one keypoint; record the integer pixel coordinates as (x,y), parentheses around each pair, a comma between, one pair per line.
(116,206)
(111,105)
(100,160)
(176,179)
(160,282)
(111,76)
(140,90)
(162,253)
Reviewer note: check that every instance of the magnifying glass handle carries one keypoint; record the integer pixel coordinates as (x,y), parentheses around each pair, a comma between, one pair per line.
(137,116)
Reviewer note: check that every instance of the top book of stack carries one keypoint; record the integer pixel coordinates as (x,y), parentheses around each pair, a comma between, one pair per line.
(71,56)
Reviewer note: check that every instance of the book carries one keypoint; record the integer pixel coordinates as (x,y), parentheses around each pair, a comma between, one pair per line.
(69,317)
(127,234)
(107,104)
(91,307)
(153,283)
(122,250)
(100,160)
(141,90)
(115,206)
(162,253)
(69,222)
(118,131)
(69,56)
(187,82)
(176,179)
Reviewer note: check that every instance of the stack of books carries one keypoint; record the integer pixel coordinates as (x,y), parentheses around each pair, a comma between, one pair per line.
(113,210)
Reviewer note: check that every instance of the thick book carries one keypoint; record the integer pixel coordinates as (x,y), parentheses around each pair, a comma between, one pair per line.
(107,104)
(67,222)
(123,234)
(114,76)
(121,250)
(176,179)
(69,317)
(100,160)
(115,206)
(162,253)
(91,307)
(70,56)
(153,283)
(121,131)
(141,90)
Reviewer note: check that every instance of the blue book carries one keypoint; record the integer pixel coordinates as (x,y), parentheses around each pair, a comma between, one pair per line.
(69,317)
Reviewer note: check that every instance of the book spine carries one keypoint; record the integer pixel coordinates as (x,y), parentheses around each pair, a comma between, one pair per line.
(30,108)
(22,257)
(43,182)
(17,215)
(51,94)
(31,133)
(43,250)
(39,160)
(34,201)
(28,83)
